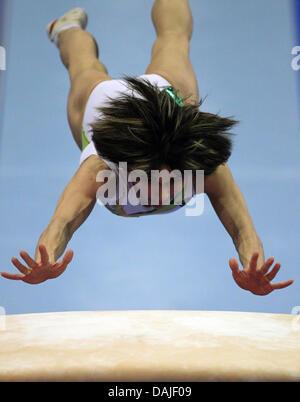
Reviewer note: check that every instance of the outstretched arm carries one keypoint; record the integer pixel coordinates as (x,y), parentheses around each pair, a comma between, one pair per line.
(74,206)
(230,206)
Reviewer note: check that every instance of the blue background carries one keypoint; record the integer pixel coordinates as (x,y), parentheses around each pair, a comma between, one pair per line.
(241,52)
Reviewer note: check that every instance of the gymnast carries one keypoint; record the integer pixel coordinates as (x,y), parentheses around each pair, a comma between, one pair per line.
(151,123)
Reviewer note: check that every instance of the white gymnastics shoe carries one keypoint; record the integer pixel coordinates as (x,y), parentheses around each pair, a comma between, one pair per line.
(76,17)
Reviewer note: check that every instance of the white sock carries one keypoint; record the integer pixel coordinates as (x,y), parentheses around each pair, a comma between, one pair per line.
(63,29)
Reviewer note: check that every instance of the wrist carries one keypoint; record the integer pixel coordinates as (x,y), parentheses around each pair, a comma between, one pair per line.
(55,238)
(246,235)
(246,244)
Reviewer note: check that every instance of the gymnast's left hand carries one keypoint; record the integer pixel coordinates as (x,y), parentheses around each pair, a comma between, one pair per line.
(255,278)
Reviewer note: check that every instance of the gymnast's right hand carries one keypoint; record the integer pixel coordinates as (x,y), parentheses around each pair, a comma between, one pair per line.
(40,270)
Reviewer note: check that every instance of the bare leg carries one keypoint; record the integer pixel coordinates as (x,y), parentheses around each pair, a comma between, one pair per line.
(79,53)
(172,17)
(170,56)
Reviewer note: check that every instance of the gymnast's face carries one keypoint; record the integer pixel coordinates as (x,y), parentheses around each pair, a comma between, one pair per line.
(162,190)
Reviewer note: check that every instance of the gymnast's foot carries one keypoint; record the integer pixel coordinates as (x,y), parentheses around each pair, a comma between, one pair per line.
(76,17)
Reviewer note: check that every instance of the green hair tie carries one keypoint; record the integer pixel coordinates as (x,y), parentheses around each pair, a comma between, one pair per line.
(172,93)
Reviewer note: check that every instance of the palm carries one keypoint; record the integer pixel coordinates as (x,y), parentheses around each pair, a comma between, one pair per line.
(257,279)
(37,272)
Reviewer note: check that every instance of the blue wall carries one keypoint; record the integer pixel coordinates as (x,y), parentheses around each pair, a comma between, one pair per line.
(3,42)
(297,15)
(297,18)
(241,52)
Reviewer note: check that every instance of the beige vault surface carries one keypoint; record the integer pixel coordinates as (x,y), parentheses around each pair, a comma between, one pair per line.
(150,345)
